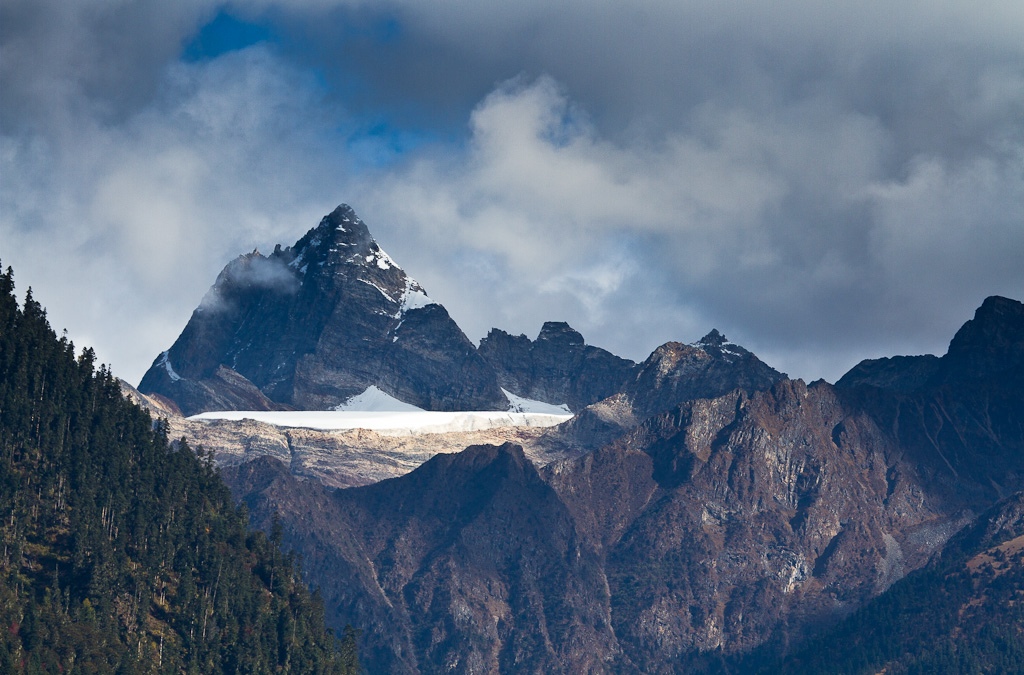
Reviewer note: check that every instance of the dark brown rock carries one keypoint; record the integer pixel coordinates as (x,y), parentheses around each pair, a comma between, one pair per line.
(897,373)
(673,374)
(469,564)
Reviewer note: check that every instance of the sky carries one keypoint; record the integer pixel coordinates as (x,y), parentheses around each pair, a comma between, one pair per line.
(822,182)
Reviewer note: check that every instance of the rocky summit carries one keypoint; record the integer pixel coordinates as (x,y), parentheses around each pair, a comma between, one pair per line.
(310,326)
(314,324)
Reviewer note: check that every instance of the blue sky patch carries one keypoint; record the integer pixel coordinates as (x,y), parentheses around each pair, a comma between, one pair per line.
(225,33)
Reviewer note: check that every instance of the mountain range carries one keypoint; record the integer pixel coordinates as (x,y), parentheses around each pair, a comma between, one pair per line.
(312,325)
(701,511)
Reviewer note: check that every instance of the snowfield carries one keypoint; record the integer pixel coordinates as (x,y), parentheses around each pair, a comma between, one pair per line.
(408,423)
(377,411)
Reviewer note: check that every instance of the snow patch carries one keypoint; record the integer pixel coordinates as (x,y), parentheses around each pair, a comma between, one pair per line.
(726,347)
(379,257)
(413,297)
(375,400)
(390,423)
(165,361)
(519,404)
(384,261)
(382,291)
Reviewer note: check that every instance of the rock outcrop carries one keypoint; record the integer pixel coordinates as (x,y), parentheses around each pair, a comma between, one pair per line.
(557,367)
(672,375)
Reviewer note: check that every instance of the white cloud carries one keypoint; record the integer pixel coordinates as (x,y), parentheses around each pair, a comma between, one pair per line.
(122,228)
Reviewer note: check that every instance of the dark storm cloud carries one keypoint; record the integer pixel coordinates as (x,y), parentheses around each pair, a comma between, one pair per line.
(821,182)
(62,59)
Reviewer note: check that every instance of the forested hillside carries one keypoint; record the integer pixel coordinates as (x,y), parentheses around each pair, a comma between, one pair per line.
(964,613)
(122,553)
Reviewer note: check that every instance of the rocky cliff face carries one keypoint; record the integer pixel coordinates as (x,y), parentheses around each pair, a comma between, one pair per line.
(722,519)
(748,519)
(314,324)
(470,564)
(557,367)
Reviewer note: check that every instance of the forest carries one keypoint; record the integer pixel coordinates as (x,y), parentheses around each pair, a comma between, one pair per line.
(124,552)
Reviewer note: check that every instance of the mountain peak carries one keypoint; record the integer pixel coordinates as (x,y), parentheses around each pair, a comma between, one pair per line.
(340,237)
(343,220)
(560,331)
(557,368)
(677,372)
(997,323)
(992,343)
(317,323)
(712,339)
(989,345)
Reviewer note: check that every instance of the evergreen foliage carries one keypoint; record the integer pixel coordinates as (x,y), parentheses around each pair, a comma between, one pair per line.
(121,552)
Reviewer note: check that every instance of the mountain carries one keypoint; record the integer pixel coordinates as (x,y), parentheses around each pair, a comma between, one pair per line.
(958,416)
(722,516)
(557,367)
(701,512)
(123,553)
(468,564)
(673,374)
(317,324)
(710,367)
(962,613)
(988,348)
(312,325)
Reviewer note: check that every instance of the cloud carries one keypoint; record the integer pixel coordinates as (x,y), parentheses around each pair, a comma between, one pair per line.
(787,229)
(121,228)
(252,271)
(823,183)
